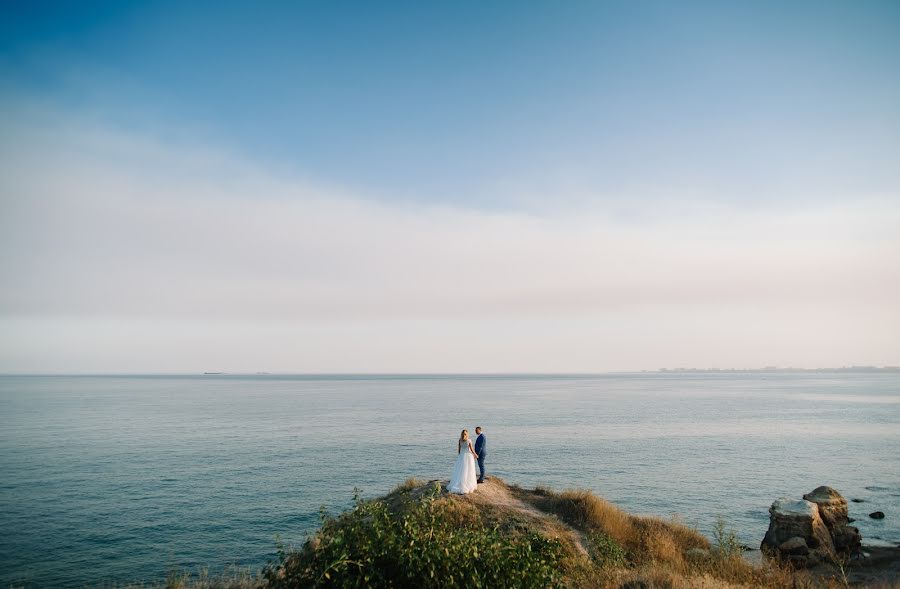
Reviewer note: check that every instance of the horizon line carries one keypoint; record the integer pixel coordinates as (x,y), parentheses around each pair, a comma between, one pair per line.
(678,370)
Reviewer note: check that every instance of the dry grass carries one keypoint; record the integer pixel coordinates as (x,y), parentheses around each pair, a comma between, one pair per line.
(586,511)
(408,485)
(647,540)
(664,554)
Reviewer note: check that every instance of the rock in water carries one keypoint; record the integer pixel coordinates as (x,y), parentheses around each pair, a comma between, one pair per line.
(833,511)
(812,530)
(877,515)
(832,506)
(789,519)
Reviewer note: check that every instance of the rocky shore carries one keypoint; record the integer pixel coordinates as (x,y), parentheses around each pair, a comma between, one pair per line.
(814,533)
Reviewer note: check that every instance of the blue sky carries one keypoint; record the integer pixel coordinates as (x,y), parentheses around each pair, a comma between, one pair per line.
(466,186)
(476,102)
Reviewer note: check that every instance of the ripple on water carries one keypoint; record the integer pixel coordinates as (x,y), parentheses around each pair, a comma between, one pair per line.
(136,476)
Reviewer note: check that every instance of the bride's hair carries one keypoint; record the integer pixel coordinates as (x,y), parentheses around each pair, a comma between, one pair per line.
(464,435)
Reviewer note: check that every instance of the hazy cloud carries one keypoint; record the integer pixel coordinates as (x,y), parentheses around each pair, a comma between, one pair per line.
(107,232)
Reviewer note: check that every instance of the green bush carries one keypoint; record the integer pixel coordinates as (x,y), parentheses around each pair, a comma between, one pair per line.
(607,552)
(418,544)
(727,545)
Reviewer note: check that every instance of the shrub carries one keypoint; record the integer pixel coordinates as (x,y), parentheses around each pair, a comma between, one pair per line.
(727,545)
(420,544)
(606,551)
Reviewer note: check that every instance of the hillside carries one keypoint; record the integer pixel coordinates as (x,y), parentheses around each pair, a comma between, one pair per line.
(505,536)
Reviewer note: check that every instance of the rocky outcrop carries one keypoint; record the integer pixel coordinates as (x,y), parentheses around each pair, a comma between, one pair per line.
(832,506)
(833,511)
(789,518)
(810,530)
(794,551)
(847,540)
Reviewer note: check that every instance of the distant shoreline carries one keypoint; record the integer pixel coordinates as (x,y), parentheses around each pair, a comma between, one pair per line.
(660,371)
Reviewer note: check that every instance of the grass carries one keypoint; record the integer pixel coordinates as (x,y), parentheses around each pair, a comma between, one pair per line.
(650,552)
(645,540)
(408,485)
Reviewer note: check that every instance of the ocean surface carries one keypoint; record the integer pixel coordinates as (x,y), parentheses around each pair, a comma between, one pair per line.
(128,478)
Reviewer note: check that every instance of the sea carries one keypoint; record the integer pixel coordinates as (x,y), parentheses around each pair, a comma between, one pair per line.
(128,479)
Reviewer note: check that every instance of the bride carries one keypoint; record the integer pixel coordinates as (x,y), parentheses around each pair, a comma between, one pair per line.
(463,479)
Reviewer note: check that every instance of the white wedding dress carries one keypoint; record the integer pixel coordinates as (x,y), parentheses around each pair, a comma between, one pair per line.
(463,480)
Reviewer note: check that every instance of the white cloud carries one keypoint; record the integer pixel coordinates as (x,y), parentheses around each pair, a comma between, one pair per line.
(106,233)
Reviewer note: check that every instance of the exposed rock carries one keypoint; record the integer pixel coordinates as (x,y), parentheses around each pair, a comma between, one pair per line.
(812,531)
(789,518)
(815,558)
(832,506)
(880,567)
(795,551)
(833,511)
(795,546)
(858,500)
(877,515)
(847,539)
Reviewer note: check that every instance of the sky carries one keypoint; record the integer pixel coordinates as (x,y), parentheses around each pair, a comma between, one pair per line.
(332,186)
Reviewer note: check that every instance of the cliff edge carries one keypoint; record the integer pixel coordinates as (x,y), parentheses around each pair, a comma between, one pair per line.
(419,535)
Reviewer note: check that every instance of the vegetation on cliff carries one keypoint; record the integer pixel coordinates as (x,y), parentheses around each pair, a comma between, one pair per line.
(506,536)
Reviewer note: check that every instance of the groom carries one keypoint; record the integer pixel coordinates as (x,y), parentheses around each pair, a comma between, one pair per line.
(481,451)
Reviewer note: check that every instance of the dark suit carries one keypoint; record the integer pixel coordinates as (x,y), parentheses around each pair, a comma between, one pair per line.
(481,450)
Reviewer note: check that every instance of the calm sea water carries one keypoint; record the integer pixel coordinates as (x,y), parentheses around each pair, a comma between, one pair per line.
(129,478)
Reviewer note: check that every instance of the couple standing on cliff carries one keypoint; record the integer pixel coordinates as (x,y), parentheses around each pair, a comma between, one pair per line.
(463,479)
